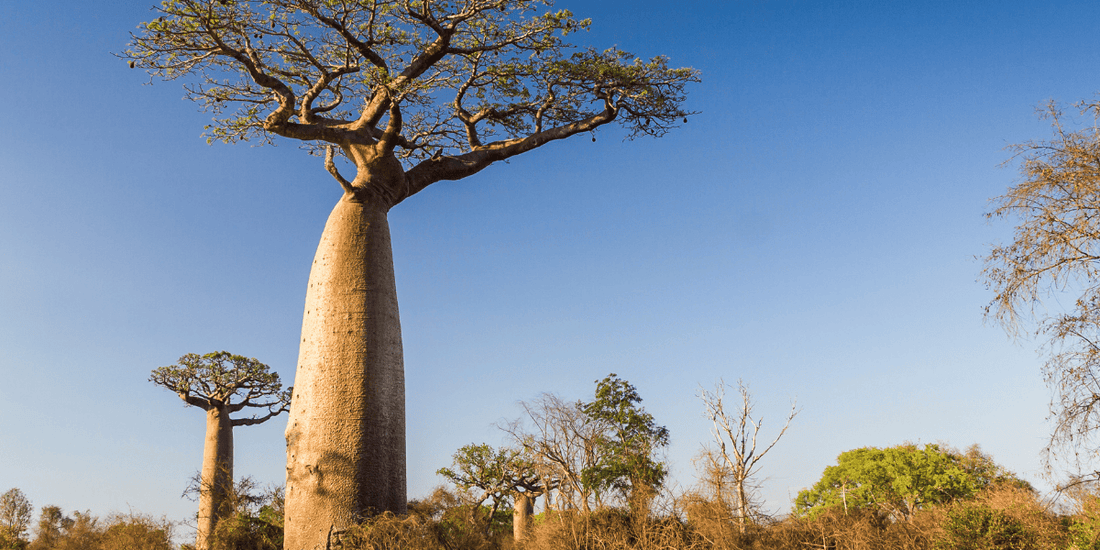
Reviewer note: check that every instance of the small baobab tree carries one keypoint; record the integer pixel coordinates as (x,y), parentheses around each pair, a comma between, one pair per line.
(222,384)
(735,458)
(500,475)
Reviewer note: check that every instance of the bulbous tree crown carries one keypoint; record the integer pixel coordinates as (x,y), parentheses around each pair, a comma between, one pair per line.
(221,379)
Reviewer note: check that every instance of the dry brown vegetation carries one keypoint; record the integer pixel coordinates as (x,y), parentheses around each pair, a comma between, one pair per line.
(1001,517)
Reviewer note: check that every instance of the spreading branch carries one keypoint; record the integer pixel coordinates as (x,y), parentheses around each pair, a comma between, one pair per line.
(1054,259)
(463,84)
(224,380)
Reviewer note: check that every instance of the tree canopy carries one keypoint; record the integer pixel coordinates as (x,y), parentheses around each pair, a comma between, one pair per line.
(1054,259)
(897,481)
(497,473)
(629,439)
(461,83)
(223,379)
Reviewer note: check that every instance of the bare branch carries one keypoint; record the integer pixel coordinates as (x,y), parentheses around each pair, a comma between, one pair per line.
(331,167)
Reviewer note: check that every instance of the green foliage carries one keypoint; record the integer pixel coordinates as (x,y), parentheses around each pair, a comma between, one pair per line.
(495,475)
(1084,528)
(262,531)
(897,481)
(980,527)
(226,379)
(251,519)
(628,442)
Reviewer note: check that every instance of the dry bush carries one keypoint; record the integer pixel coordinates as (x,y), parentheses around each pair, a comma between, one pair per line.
(856,530)
(606,529)
(119,532)
(390,532)
(713,522)
(136,532)
(443,521)
(1003,516)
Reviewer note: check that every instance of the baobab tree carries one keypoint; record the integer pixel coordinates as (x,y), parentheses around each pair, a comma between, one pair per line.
(222,384)
(501,475)
(411,92)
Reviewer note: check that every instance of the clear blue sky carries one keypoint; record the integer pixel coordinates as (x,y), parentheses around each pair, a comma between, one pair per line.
(812,232)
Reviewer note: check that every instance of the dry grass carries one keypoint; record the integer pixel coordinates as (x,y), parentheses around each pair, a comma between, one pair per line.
(699,524)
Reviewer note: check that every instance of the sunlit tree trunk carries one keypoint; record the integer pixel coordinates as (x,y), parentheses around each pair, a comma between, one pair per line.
(346,431)
(216,479)
(742,500)
(521,514)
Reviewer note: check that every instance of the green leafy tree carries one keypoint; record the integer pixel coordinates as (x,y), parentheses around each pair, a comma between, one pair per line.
(15,518)
(410,92)
(503,476)
(222,384)
(629,440)
(898,481)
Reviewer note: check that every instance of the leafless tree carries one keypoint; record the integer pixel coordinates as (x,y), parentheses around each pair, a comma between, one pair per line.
(561,442)
(1054,259)
(735,460)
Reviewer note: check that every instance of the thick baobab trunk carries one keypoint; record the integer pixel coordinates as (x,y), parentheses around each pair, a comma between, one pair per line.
(346,431)
(521,515)
(216,479)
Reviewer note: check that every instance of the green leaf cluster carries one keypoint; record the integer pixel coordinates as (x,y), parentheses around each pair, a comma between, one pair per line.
(220,376)
(897,481)
(628,442)
(981,527)
(496,472)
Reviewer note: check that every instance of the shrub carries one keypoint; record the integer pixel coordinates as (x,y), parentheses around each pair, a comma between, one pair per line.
(979,527)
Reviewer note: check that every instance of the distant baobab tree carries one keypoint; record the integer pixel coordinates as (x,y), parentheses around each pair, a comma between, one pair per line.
(222,384)
(411,92)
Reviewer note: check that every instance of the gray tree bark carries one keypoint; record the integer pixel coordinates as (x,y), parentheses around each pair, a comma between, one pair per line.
(346,431)
(216,478)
